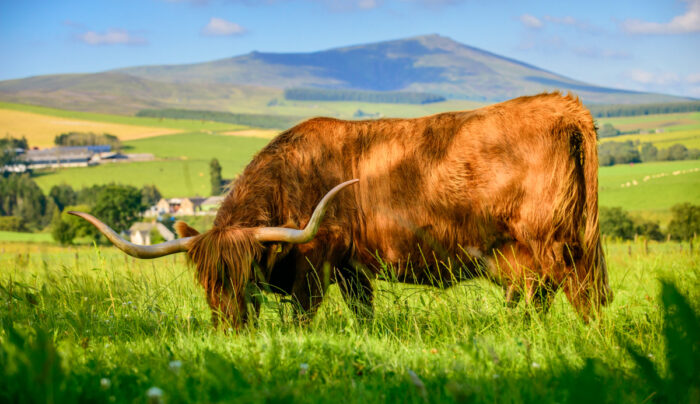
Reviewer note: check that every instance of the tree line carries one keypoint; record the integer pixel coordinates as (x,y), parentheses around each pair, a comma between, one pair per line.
(388,97)
(87,139)
(609,111)
(255,120)
(611,153)
(618,223)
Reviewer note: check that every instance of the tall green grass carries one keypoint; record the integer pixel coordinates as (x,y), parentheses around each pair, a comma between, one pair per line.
(85,324)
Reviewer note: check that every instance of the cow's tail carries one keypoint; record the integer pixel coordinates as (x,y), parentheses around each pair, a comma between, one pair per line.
(593,257)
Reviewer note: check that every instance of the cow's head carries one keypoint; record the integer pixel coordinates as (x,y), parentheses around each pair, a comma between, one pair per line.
(224,255)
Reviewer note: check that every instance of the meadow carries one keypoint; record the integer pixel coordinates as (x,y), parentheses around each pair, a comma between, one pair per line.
(90,324)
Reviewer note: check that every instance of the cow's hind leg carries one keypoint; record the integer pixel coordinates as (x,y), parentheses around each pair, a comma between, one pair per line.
(357,291)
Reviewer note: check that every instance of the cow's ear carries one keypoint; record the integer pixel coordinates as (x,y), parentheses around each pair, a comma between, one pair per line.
(183,230)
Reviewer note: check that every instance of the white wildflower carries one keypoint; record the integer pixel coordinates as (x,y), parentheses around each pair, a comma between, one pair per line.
(155,395)
(105,383)
(535,365)
(175,366)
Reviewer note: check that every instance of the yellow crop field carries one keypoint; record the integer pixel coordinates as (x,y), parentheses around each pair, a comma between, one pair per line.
(40,130)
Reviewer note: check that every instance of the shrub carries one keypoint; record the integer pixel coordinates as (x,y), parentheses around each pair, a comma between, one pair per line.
(12,223)
(685,221)
(616,222)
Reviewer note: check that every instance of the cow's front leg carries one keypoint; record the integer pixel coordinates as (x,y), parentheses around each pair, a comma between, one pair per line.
(307,295)
(228,307)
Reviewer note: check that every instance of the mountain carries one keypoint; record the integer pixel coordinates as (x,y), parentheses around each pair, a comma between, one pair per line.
(430,63)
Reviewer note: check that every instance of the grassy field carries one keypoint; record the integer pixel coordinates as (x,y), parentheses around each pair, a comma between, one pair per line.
(40,125)
(650,189)
(85,324)
(674,128)
(11,236)
(183,168)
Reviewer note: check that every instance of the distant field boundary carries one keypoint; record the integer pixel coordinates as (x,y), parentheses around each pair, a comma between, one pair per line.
(611,111)
(253,120)
(386,97)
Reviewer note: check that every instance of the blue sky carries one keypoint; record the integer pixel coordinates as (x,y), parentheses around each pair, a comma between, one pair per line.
(641,44)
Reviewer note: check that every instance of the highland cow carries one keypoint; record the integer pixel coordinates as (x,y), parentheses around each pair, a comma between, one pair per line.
(508,192)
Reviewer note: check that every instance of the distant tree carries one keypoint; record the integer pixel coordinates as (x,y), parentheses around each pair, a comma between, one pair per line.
(649,229)
(693,154)
(63,195)
(685,221)
(608,131)
(87,139)
(677,152)
(649,152)
(61,230)
(8,146)
(20,196)
(610,153)
(88,195)
(615,222)
(215,176)
(150,195)
(605,159)
(119,206)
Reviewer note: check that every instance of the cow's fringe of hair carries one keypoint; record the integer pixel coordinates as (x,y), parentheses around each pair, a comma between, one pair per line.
(224,258)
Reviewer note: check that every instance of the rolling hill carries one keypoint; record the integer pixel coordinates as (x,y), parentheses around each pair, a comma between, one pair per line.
(431,63)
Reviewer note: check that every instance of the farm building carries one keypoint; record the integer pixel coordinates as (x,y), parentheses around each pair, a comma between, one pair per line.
(185,206)
(140,233)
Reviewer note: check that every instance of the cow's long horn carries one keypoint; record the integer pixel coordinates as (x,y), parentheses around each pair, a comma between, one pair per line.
(138,251)
(309,232)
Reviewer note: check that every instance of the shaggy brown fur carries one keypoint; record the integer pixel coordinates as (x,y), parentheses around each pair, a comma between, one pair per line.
(508,191)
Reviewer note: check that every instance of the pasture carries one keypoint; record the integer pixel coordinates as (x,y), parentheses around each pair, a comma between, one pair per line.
(650,189)
(90,324)
(182,168)
(683,128)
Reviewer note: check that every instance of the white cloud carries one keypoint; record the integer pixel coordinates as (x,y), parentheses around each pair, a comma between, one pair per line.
(576,23)
(113,36)
(681,24)
(663,82)
(657,79)
(221,27)
(530,21)
(367,4)
(350,5)
(568,20)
